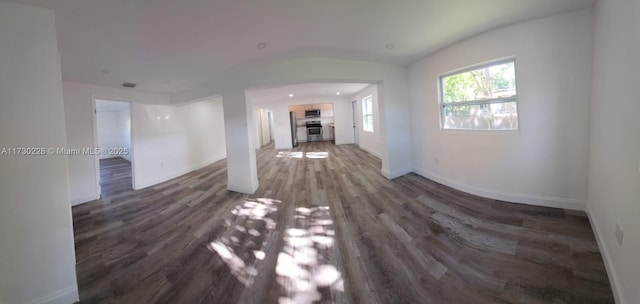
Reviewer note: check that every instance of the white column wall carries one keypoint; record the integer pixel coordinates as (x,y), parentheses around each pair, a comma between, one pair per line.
(614,150)
(37,256)
(240,137)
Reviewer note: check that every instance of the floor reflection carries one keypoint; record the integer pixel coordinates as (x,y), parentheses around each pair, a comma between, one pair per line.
(305,266)
(299,154)
(245,236)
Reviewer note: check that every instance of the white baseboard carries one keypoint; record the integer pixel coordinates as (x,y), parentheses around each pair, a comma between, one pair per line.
(608,264)
(375,153)
(395,173)
(65,296)
(148,183)
(84,199)
(243,189)
(522,198)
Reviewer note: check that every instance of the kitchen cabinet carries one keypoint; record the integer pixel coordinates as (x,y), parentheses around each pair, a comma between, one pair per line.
(302,134)
(299,110)
(328,132)
(326,110)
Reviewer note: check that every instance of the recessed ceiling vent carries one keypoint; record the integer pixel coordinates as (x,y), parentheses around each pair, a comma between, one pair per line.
(129,85)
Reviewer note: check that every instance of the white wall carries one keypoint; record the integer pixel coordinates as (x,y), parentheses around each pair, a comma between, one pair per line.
(204,123)
(281,126)
(114,131)
(192,136)
(368,141)
(37,258)
(125,131)
(614,152)
(543,163)
(78,107)
(170,141)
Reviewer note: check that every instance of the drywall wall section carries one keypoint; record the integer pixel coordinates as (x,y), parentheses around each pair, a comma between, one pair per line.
(368,141)
(124,117)
(37,258)
(545,162)
(204,123)
(281,126)
(78,107)
(169,141)
(614,152)
(114,132)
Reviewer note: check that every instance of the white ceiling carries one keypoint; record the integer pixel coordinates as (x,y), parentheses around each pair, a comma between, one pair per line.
(170,46)
(306,90)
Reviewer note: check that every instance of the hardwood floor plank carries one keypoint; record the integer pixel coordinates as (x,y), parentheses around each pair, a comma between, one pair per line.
(326,227)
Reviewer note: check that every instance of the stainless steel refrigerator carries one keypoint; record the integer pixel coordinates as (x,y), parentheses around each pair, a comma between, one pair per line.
(294,129)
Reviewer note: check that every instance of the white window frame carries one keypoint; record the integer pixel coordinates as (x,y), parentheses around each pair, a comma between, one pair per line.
(443,105)
(366,114)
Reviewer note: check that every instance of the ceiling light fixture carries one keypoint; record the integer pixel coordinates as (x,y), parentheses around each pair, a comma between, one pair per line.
(337,93)
(261,45)
(389,46)
(290,95)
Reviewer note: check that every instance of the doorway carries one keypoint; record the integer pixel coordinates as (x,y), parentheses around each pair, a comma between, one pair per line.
(270,116)
(264,127)
(112,126)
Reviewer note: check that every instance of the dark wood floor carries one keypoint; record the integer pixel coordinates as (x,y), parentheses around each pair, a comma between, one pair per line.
(115,176)
(323,227)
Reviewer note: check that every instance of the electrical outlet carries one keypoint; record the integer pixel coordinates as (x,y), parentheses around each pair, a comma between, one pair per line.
(619,234)
(436,160)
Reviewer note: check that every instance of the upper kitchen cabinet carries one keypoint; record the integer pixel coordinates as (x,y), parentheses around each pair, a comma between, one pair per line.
(299,110)
(326,109)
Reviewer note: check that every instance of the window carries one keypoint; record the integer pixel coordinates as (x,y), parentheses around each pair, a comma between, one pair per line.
(367,113)
(482,97)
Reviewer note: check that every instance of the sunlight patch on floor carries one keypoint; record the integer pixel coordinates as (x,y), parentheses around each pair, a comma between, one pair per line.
(242,244)
(304,266)
(300,155)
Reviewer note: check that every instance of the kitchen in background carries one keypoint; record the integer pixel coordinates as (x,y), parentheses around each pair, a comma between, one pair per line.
(313,122)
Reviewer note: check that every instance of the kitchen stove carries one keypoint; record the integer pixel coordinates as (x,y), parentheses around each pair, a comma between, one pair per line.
(314,130)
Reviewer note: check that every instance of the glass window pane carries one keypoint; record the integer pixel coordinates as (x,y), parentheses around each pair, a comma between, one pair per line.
(367,114)
(490,116)
(488,82)
(368,123)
